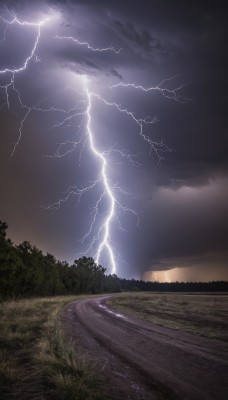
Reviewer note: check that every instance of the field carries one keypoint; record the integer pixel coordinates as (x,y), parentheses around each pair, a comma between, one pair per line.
(35,361)
(202,314)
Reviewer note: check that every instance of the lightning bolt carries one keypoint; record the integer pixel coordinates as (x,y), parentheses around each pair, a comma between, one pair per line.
(37,25)
(158,147)
(172,94)
(108,191)
(87,45)
(166,277)
(14,71)
(99,233)
(105,228)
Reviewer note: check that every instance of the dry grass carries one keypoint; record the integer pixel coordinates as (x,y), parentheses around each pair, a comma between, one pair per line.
(202,314)
(35,361)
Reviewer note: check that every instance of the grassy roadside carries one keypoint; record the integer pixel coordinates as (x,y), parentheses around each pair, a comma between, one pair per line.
(35,361)
(201,314)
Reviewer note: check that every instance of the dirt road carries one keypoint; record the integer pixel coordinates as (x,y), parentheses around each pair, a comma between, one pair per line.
(142,361)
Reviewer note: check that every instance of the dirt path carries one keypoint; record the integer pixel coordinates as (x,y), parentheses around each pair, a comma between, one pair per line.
(142,361)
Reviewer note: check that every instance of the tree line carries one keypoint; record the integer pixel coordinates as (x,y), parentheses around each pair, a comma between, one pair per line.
(25,271)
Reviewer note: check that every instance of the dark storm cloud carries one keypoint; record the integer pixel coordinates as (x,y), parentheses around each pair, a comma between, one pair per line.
(182,202)
(183,227)
(191,220)
(116,73)
(141,41)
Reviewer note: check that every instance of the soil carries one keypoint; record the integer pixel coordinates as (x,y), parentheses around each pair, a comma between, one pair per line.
(143,361)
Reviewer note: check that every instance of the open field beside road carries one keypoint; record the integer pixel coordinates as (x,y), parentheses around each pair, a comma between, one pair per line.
(204,314)
(140,360)
(35,360)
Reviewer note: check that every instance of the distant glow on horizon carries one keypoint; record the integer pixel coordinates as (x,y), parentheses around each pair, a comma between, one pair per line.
(194,273)
(171,275)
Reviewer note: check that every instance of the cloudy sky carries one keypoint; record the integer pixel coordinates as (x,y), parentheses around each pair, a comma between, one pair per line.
(171,215)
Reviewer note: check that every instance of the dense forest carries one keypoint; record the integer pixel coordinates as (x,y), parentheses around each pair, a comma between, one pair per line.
(25,271)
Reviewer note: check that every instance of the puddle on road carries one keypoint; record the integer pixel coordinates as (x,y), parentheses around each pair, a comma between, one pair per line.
(112,312)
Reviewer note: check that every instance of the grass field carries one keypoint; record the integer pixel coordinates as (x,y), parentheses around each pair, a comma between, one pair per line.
(35,361)
(202,314)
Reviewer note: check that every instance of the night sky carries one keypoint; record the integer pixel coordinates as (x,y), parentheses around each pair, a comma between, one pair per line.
(181,202)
